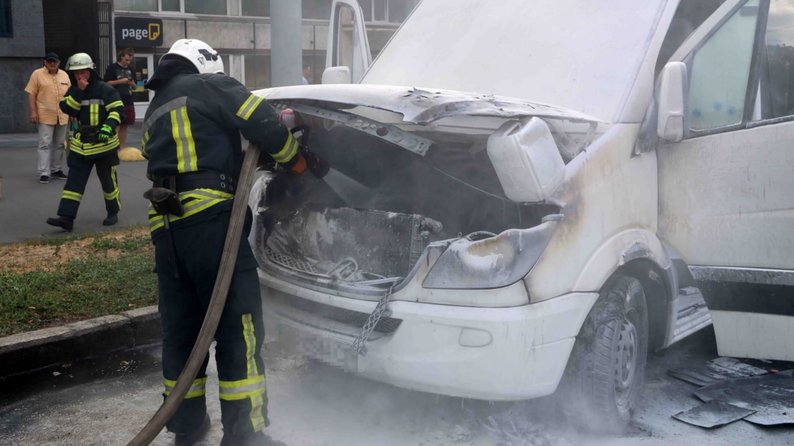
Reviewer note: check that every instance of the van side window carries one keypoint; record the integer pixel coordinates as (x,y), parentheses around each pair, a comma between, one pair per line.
(775,98)
(720,72)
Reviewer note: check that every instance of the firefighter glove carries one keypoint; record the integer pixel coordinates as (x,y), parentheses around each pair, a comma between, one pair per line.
(105,133)
(284,190)
(316,165)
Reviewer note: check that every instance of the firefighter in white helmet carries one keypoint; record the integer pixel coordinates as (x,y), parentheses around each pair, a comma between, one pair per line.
(191,137)
(99,110)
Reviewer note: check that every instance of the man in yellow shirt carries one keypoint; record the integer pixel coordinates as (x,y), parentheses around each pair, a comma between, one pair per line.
(45,89)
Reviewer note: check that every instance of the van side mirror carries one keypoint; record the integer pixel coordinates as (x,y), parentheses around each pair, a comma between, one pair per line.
(336,75)
(672,106)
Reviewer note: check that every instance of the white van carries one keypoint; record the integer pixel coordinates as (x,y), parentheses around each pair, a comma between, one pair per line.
(529,192)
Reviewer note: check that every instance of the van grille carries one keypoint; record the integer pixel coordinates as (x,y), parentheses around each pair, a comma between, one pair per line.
(288,261)
(385,325)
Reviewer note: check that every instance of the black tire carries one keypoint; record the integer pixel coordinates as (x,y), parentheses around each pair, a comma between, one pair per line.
(606,371)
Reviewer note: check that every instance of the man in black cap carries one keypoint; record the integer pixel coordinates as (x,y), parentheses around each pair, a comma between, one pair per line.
(46,88)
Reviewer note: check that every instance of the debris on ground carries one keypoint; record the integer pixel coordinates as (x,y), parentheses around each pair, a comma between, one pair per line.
(770,396)
(733,389)
(716,370)
(713,414)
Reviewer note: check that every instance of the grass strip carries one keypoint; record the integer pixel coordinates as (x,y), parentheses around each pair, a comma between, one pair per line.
(109,275)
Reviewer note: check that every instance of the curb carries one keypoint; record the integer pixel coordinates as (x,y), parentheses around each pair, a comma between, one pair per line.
(27,352)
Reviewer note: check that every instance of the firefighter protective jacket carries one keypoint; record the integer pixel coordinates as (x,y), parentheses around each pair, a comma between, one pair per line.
(98,104)
(193,124)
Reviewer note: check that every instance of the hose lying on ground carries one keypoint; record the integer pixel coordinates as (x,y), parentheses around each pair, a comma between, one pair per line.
(207,333)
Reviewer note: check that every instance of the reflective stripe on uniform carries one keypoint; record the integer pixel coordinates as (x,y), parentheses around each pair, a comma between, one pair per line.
(71,195)
(92,101)
(187,160)
(197,389)
(287,152)
(114,196)
(163,110)
(250,345)
(253,387)
(88,149)
(144,140)
(241,389)
(249,106)
(93,109)
(114,104)
(114,115)
(193,202)
(71,102)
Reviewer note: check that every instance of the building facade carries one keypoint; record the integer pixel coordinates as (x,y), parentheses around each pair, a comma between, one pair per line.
(239,29)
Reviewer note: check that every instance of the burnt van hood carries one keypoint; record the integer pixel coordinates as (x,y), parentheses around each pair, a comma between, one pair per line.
(420,106)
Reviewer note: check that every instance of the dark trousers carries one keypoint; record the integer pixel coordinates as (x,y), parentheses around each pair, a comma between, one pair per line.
(79,171)
(240,334)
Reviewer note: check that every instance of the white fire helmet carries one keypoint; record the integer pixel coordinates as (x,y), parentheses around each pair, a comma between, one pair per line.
(197,52)
(80,61)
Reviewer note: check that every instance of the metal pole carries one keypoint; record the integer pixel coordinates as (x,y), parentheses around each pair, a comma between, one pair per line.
(286,42)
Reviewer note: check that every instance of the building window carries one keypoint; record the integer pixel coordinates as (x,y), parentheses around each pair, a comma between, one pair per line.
(136,5)
(256,8)
(225,60)
(399,9)
(316,9)
(6,29)
(257,71)
(316,63)
(170,5)
(394,11)
(217,7)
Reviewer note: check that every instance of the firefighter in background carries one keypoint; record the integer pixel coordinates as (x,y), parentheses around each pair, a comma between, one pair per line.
(99,110)
(191,137)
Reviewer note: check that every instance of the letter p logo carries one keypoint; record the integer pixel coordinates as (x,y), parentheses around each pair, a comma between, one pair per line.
(154,31)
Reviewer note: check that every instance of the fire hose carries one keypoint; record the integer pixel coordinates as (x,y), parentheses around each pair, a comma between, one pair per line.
(218,300)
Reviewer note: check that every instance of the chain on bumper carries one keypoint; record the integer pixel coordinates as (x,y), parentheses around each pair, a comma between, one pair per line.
(382,309)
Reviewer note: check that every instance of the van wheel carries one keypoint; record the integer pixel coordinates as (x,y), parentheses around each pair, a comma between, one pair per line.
(606,372)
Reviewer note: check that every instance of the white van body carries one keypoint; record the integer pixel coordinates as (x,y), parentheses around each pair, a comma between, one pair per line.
(671,181)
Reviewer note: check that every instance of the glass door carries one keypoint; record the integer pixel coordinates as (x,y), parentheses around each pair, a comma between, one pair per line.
(144,66)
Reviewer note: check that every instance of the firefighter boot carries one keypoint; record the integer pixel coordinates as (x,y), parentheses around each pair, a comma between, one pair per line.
(193,437)
(67,223)
(110,220)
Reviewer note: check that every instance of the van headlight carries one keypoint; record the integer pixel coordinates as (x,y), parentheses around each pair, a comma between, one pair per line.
(473,262)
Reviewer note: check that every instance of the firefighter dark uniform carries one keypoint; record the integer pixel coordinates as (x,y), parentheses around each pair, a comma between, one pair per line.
(191,137)
(96,108)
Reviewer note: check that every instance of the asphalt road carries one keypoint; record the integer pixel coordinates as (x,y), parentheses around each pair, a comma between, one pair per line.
(105,402)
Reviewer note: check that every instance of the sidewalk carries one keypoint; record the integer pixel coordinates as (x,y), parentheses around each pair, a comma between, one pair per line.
(25,205)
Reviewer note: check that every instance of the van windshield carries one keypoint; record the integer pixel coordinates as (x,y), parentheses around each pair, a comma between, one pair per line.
(578,54)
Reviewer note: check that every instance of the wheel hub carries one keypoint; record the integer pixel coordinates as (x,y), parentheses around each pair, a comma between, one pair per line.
(625,358)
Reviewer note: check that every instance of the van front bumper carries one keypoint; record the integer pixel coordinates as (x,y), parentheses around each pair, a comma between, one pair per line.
(496,354)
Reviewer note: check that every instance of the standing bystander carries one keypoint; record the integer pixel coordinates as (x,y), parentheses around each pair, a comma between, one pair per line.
(307,74)
(45,89)
(121,75)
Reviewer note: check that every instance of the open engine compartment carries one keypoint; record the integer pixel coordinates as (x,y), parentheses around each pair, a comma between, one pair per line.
(313,229)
